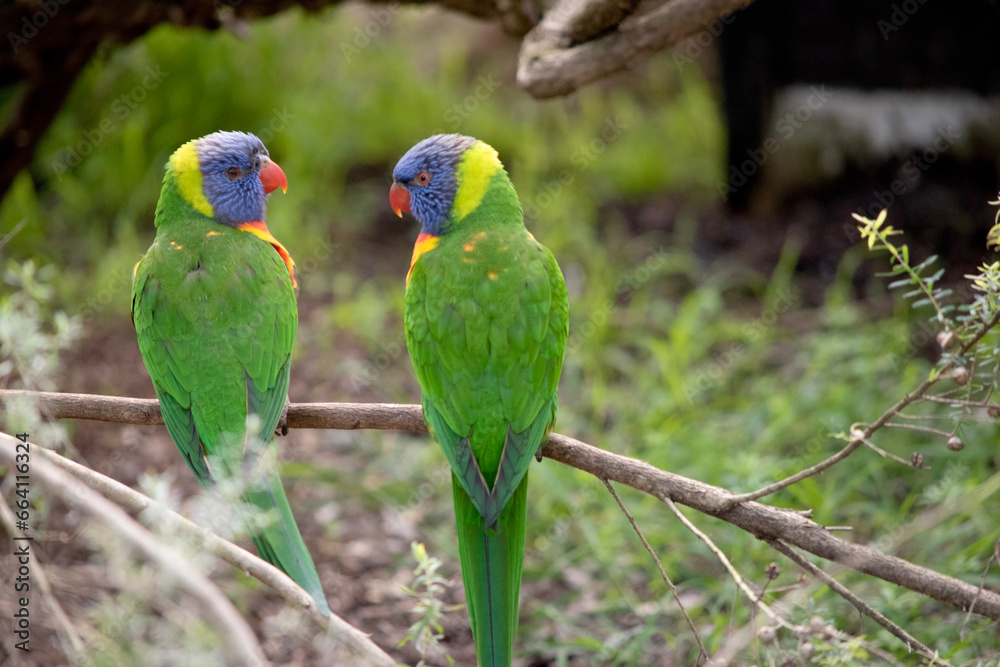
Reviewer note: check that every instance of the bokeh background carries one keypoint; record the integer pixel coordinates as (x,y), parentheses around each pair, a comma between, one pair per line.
(728,341)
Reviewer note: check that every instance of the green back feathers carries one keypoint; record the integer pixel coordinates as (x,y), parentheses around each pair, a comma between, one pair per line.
(214,310)
(215,316)
(486,326)
(487,323)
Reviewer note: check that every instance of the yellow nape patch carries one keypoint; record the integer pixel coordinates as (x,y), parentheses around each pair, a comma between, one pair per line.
(473,176)
(492,275)
(187,173)
(176,246)
(211,234)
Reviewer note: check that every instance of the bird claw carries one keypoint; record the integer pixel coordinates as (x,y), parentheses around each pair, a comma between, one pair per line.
(282,428)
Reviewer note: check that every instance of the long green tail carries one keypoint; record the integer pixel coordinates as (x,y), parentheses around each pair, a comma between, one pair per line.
(277,538)
(491,571)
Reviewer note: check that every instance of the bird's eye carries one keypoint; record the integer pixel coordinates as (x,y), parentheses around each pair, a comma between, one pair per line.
(423,178)
(233,173)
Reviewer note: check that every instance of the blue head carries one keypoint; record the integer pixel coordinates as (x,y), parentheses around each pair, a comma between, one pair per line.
(227,176)
(424,180)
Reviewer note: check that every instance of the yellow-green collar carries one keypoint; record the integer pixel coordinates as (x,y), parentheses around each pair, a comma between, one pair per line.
(187,173)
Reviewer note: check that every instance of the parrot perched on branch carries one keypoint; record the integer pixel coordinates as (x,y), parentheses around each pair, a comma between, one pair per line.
(487,319)
(213,304)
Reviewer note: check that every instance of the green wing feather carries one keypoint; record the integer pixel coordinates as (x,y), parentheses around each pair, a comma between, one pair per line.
(486,327)
(215,316)
(491,572)
(488,355)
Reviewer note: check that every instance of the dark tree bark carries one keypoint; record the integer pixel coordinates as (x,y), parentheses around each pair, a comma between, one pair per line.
(50,41)
(579,41)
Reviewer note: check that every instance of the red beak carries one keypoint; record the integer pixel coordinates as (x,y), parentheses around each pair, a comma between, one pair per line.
(399,199)
(273,178)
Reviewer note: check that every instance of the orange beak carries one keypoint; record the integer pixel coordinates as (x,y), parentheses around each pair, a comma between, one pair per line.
(273,178)
(399,199)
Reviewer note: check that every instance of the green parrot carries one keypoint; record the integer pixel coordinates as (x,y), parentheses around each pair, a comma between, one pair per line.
(213,304)
(487,319)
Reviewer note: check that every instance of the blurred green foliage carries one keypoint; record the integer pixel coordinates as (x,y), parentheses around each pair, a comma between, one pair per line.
(719,374)
(337,117)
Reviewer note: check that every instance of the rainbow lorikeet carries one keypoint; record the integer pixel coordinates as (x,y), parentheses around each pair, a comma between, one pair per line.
(487,319)
(213,303)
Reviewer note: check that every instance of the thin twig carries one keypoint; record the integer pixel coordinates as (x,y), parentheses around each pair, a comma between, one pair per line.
(663,573)
(843,592)
(735,640)
(755,518)
(982,582)
(918,427)
(12,233)
(929,418)
(881,452)
(993,384)
(734,573)
(237,633)
(799,476)
(985,403)
(353,639)
(919,393)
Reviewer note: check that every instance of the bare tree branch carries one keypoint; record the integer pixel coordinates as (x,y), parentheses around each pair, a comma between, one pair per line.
(47,82)
(575,43)
(556,57)
(238,634)
(762,521)
(354,641)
